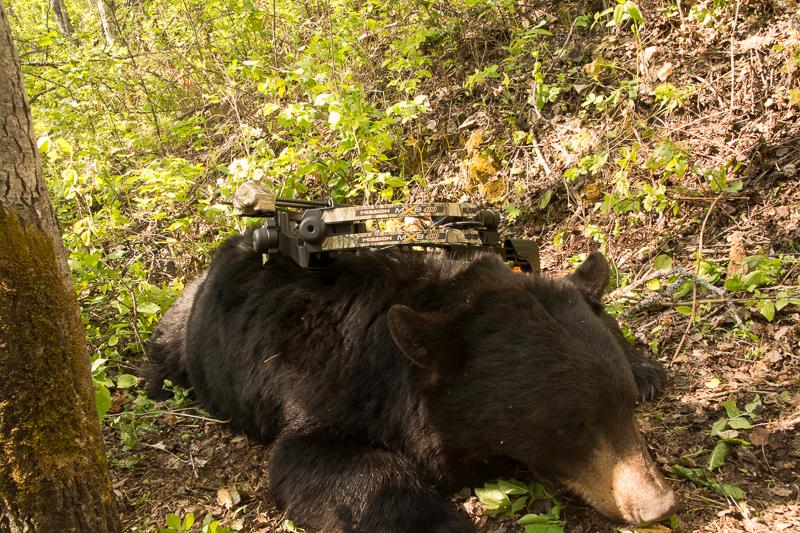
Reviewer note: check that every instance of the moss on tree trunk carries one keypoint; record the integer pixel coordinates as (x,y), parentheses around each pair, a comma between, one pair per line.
(53,472)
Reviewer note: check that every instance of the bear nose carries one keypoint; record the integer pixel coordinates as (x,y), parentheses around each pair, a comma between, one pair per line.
(658,509)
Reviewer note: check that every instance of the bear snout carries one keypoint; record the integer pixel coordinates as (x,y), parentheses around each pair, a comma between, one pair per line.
(656,509)
(623,483)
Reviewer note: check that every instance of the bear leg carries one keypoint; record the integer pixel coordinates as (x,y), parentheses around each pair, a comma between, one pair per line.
(329,483)
(167,347)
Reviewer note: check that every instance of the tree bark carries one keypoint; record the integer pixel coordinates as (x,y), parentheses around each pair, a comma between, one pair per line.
(108,20)
(62,17)
(53,471)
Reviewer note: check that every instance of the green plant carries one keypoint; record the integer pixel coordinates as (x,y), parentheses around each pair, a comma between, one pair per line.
(670,97)
(721,179)
(480,77)
(589,165)
(542,93)
(726,430)
(764,271)
(512,498)
(177,525)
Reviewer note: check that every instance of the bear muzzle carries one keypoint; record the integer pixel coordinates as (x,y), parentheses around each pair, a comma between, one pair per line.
(623,483)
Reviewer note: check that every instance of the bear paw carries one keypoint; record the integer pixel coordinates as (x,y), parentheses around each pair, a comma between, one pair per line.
(651,377)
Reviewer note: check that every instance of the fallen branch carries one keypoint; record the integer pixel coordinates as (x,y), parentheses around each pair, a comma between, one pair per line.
(673,287)
(173,413)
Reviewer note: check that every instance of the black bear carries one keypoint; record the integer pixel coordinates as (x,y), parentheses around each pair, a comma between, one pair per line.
(390,379)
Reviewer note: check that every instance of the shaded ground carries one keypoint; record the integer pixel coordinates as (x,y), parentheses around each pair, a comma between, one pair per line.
(183,464)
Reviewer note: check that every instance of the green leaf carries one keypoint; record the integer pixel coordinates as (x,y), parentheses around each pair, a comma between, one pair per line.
(731,409)
(653,284)
(718,426)
(492,497)
(534,519)
(518,504)
(126,381)
(695,475)
(752,406)
(767,309)
(662,262)
(731,491)
(717,457)
(395,182)
(333,119)
(44,144)
(512,486)
(173,521)
(97,364)
(102,399)
(188,521)
(545,201)
(512,211)
(148,308)
(685,310)
(735,284)
(739,423)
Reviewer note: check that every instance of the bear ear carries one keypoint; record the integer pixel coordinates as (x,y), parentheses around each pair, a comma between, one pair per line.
(592,276)
(429,340)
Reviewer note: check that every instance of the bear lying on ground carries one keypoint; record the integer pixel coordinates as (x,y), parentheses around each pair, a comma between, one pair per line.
(391,379)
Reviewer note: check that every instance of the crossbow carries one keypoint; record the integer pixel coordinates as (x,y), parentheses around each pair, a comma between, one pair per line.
(311,231)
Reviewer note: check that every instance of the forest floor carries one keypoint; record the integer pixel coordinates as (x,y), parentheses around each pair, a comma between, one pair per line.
(737,113)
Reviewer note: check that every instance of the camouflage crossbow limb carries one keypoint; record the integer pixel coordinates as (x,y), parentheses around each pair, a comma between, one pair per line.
(309,231)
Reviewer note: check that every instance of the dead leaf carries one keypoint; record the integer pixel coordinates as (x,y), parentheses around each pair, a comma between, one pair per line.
(754,42)
(649,52)
(474,120)
(759,436)
(597,67)
(774,356)
(783,492)
(492,189)
(781,333)
(481,169)
(228,497)
(736,256)
(664,72)
(474,141)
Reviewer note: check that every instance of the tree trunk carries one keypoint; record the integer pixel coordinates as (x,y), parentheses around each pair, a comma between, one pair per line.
(53,471)
(62,17)
(108,20)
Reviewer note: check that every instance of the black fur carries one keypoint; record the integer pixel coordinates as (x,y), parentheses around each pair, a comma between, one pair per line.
(391,379)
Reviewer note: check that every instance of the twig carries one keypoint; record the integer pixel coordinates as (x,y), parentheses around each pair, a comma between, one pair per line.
(647,302)
(569,35)
(618,293)
(701,301)
(194,468)
(539,156)
(162,448)
(733,62)
(174,413)
(698,260)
